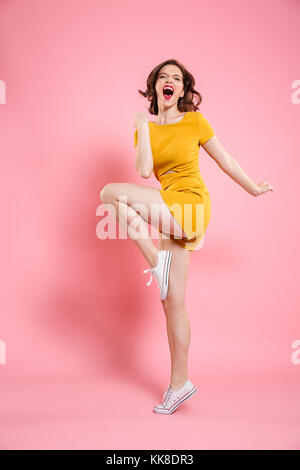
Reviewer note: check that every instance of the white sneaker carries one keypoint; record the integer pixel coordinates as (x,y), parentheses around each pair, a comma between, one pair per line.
(161,272)
(174,398)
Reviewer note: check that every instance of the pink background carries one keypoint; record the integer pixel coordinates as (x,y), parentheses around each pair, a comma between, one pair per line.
(86,345)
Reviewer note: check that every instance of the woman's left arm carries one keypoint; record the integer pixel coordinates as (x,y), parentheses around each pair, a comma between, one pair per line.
(230,166)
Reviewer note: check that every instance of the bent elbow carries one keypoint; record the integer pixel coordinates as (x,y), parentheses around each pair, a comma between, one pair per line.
(146,175)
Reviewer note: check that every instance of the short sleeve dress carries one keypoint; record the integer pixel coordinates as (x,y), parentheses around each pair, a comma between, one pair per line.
(175,147)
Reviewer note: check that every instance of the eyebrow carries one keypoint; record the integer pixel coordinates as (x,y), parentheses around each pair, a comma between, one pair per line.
(175,74)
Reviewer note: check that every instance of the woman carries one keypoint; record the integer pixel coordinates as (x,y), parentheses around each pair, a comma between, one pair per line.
(169,147)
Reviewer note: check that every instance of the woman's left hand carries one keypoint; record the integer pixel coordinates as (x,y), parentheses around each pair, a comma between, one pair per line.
(263,187)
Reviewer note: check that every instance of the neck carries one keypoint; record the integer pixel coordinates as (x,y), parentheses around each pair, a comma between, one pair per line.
(168,114)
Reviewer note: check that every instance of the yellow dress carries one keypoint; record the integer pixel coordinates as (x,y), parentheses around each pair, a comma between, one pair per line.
(176,147)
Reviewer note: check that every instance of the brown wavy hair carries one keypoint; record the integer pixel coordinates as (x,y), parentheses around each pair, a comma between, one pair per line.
(184,104)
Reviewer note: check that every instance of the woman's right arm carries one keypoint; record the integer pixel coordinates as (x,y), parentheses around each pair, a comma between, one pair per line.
(143,152)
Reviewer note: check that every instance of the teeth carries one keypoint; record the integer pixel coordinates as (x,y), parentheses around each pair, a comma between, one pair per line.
(167,90)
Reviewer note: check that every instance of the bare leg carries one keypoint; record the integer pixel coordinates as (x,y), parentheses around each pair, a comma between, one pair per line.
(126,214)
(179,334)
(177,321)
(178,326)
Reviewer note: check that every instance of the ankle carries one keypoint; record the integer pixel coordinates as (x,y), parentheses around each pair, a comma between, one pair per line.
(176,384)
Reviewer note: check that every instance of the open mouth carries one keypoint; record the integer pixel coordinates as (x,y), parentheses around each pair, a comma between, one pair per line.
(168,92)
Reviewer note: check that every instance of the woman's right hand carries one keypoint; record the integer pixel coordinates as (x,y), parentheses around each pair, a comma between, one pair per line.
(140,119)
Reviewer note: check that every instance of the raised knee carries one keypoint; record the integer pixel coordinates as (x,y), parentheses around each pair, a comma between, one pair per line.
(107,192)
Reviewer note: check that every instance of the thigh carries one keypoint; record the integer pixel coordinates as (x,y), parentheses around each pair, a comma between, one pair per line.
(179,271)
(147,202)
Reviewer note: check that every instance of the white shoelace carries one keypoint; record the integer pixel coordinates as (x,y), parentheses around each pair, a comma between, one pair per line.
(170,396)
(152,271)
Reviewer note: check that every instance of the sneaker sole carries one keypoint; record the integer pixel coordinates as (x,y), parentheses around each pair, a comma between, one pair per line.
(168,411)
(166,275)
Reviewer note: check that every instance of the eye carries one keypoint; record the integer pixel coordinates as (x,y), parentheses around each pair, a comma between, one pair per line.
(176,77)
